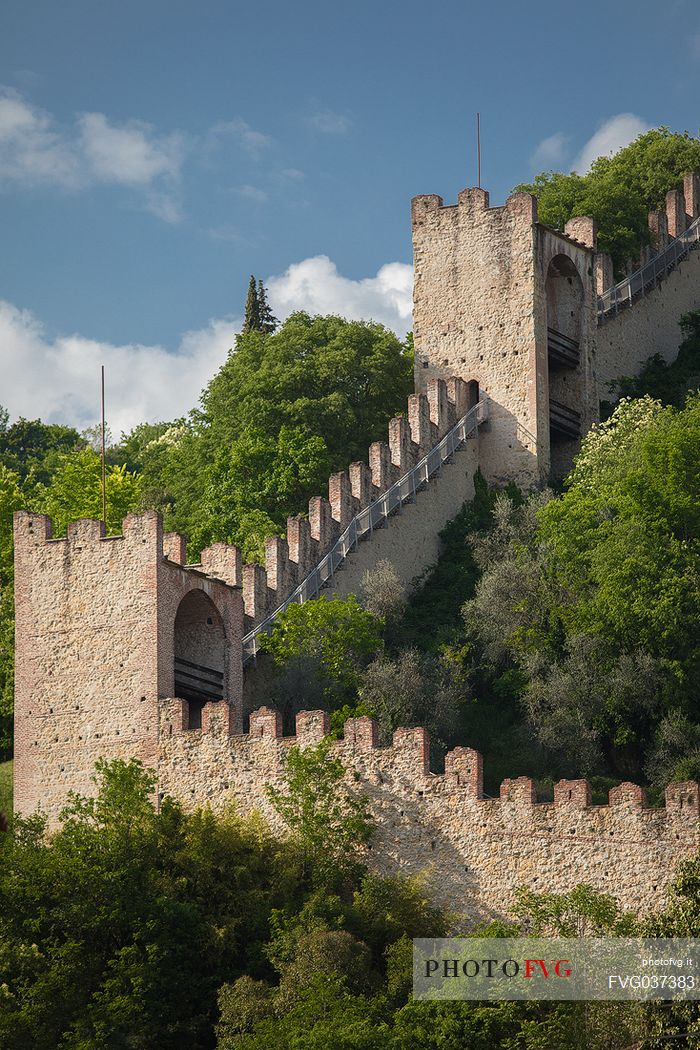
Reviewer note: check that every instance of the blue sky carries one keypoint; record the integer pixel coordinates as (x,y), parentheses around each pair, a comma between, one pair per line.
(154,154)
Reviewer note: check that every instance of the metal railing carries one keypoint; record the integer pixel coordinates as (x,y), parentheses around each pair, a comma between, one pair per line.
(648,276)
(372,517)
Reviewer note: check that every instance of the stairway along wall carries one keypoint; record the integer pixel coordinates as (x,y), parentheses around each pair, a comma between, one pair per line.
(649,326)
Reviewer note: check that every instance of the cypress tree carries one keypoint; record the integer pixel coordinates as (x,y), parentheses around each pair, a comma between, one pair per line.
(267,320)
(252,308)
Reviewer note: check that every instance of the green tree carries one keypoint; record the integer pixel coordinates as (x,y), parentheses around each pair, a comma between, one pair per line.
(75,491)
(415,689)
(251,322)
(582,912)
(11,499)
(328,825)
(338,634)
(255,484)
(618,191)
(100,921)
(268,322)
(341,380)
(29,447)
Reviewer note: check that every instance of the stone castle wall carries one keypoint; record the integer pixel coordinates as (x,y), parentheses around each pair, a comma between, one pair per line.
(95,648)
(410,541)
(491,283)
(288,561)
(649,326)
(473,315)
(482,303)
(473,851)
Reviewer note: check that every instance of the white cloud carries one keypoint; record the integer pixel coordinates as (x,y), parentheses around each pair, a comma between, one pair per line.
(34,150)
(253,142)
(551,152)
(610,137)
(292,174)
(252,193)
(329,123)
(58,379)
(316,286)
(132,154)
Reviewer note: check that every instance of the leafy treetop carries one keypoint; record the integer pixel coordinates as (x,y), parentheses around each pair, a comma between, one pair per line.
(618,191)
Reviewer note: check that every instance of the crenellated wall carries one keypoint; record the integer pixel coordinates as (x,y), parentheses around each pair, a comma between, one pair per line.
(412,547)
(495,291)
(473,850)
(96,643)
(649,324)
(109,628)
(482,307)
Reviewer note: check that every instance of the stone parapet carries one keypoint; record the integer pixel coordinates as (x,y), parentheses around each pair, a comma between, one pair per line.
(473,851)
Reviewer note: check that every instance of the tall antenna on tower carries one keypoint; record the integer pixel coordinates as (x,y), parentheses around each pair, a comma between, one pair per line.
(478,150)
(104,475)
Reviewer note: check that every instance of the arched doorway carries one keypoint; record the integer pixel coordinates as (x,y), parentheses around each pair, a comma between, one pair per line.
(200,653)
(565,295)
(472,394)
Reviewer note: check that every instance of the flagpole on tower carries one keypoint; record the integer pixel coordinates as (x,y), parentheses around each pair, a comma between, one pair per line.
(478,150)
(104,476)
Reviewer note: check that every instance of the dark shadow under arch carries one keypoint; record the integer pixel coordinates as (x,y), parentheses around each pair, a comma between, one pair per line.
(565,299)
(200,653)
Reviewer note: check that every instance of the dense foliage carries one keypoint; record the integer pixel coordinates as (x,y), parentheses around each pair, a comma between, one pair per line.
(619,191)
(282,413)
(590,602)
(159,929)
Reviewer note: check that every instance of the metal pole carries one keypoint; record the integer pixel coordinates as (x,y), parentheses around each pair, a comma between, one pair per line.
(104,475)
(478,150)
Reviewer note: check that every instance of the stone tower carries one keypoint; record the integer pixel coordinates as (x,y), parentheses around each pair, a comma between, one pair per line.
(509,305)
(106,626)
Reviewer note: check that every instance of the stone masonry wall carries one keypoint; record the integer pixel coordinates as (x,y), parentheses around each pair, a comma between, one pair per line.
(474,851)
(649,326)
(473,316)
(482,305)
(410,541)
(94,633)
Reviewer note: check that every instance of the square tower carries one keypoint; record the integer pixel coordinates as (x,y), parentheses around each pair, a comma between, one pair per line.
(509,305)
(106,626)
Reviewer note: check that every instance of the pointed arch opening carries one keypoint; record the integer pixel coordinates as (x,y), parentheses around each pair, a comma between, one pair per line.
(565,298)
(200,653)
